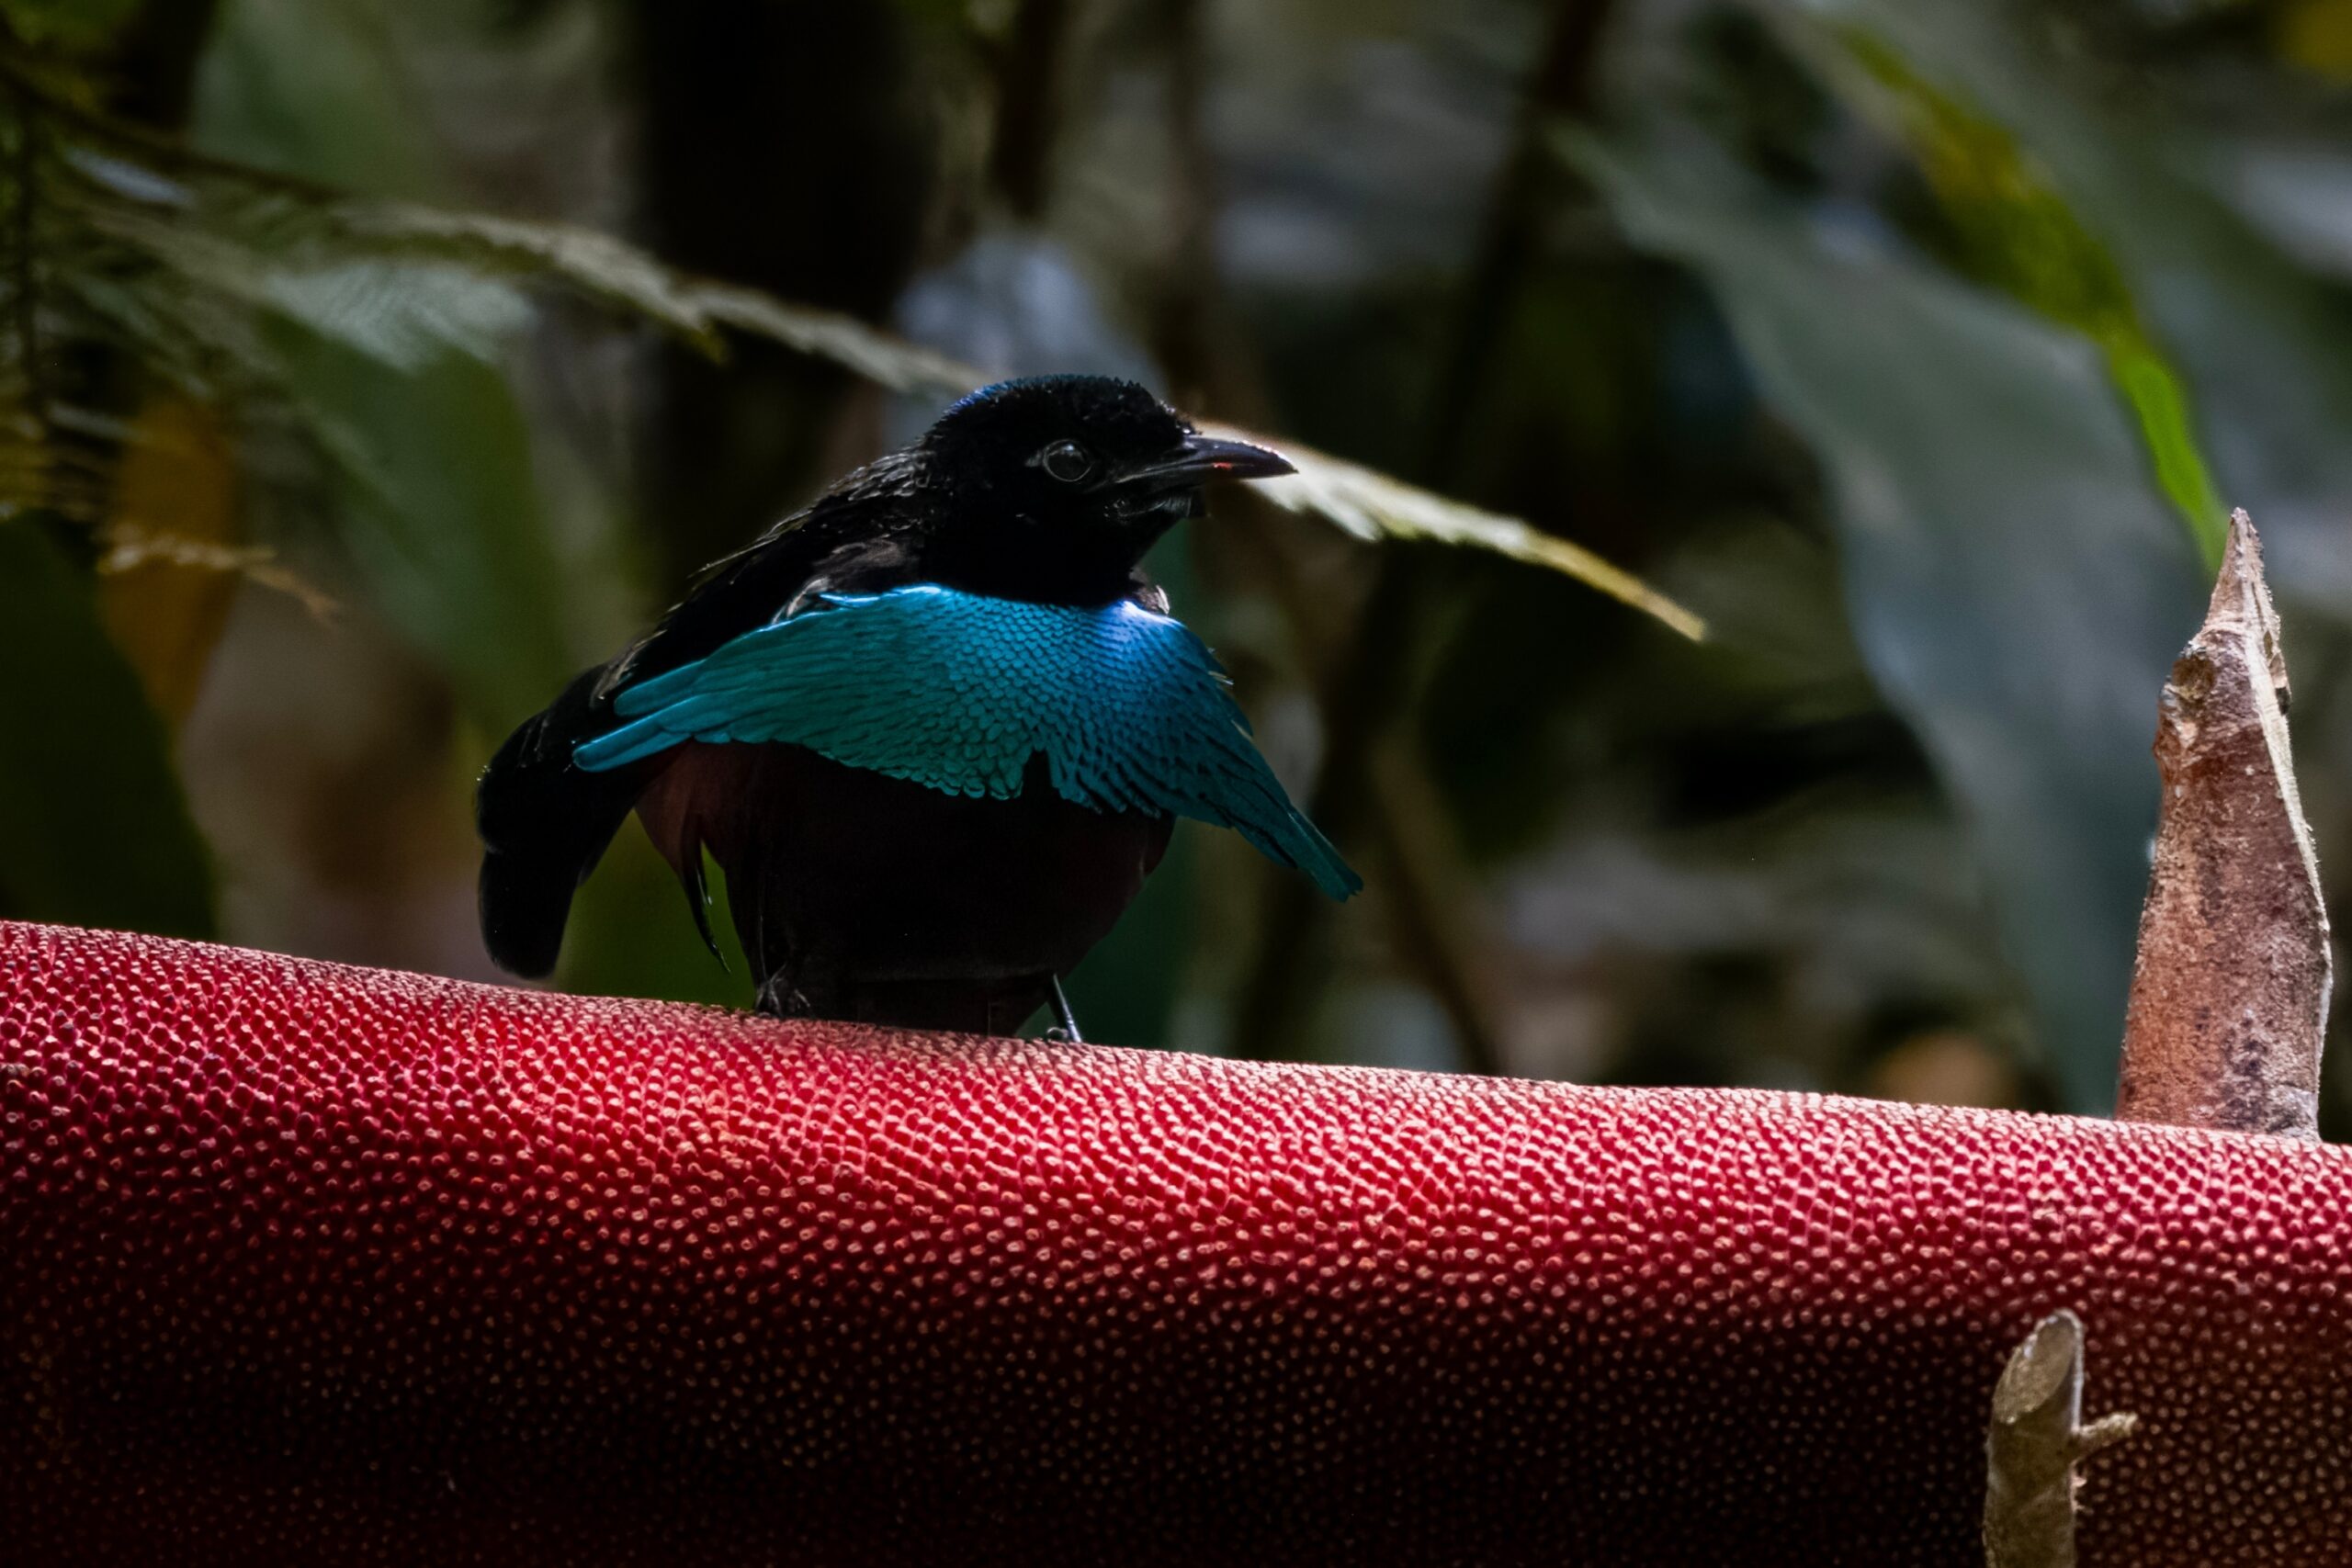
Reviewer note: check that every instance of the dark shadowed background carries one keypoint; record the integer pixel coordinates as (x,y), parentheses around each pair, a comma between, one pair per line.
(1920,348)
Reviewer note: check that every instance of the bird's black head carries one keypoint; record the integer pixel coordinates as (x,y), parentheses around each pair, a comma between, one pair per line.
(1054,487)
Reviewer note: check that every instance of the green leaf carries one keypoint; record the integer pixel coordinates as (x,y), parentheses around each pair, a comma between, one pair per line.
(313,88)
(442,516)
(398,315)
(94,831)
(2256,337)
(2019,233)
(828,334)
(607,271)
(383,327)
(2015,581)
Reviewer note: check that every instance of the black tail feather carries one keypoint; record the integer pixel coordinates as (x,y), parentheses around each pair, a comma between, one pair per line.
(697,886)
(545,823)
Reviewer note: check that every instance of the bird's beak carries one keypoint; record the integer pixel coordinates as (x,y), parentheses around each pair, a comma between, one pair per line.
(1205,459)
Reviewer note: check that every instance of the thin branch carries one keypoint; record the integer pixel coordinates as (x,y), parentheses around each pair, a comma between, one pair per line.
(2229,996)
(130,549)
(2036,1439)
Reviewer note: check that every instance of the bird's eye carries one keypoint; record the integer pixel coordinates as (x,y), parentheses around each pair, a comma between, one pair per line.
(1067,461)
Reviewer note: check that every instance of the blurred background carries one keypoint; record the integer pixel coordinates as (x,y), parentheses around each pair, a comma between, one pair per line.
(366,366)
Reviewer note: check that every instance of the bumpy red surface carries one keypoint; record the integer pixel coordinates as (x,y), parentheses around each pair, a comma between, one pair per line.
(301,1263)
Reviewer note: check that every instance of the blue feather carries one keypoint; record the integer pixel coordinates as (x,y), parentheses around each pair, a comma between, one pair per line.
(958,692)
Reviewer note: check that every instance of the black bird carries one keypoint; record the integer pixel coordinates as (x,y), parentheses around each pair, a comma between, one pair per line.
(934,729)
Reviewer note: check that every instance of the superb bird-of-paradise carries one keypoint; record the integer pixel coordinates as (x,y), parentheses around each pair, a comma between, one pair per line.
(934,729)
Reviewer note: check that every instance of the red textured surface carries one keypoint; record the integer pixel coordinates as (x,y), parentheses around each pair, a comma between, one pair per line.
(301,1263)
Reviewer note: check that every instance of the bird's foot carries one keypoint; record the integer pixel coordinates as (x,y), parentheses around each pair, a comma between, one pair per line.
(778,999)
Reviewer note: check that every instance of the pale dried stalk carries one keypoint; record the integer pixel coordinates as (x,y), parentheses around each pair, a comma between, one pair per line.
(2228,999)
(128,550)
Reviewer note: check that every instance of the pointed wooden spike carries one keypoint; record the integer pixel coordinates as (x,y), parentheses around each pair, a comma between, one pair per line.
(2228,999)
(2242,599)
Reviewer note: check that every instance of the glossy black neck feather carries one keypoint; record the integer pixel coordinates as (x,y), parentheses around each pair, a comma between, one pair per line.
(1090,558)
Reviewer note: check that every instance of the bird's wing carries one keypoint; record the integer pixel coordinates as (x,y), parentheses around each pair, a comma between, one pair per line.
(847,540)
(958,692)
(900,684)
(1159,730)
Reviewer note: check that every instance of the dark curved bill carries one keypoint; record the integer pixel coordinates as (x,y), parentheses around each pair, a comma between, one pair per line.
(1206,459)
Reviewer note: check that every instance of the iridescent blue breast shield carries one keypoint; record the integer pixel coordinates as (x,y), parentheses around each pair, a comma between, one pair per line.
(956,692)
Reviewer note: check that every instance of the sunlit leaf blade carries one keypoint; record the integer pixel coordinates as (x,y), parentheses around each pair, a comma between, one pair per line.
(1371,505)
(132,551)
(93,828)
(616,274)
(2017,585)
(878,357)
(606,270)
(399,315)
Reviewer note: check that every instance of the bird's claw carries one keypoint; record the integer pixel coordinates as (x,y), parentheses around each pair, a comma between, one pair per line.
(778,999)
